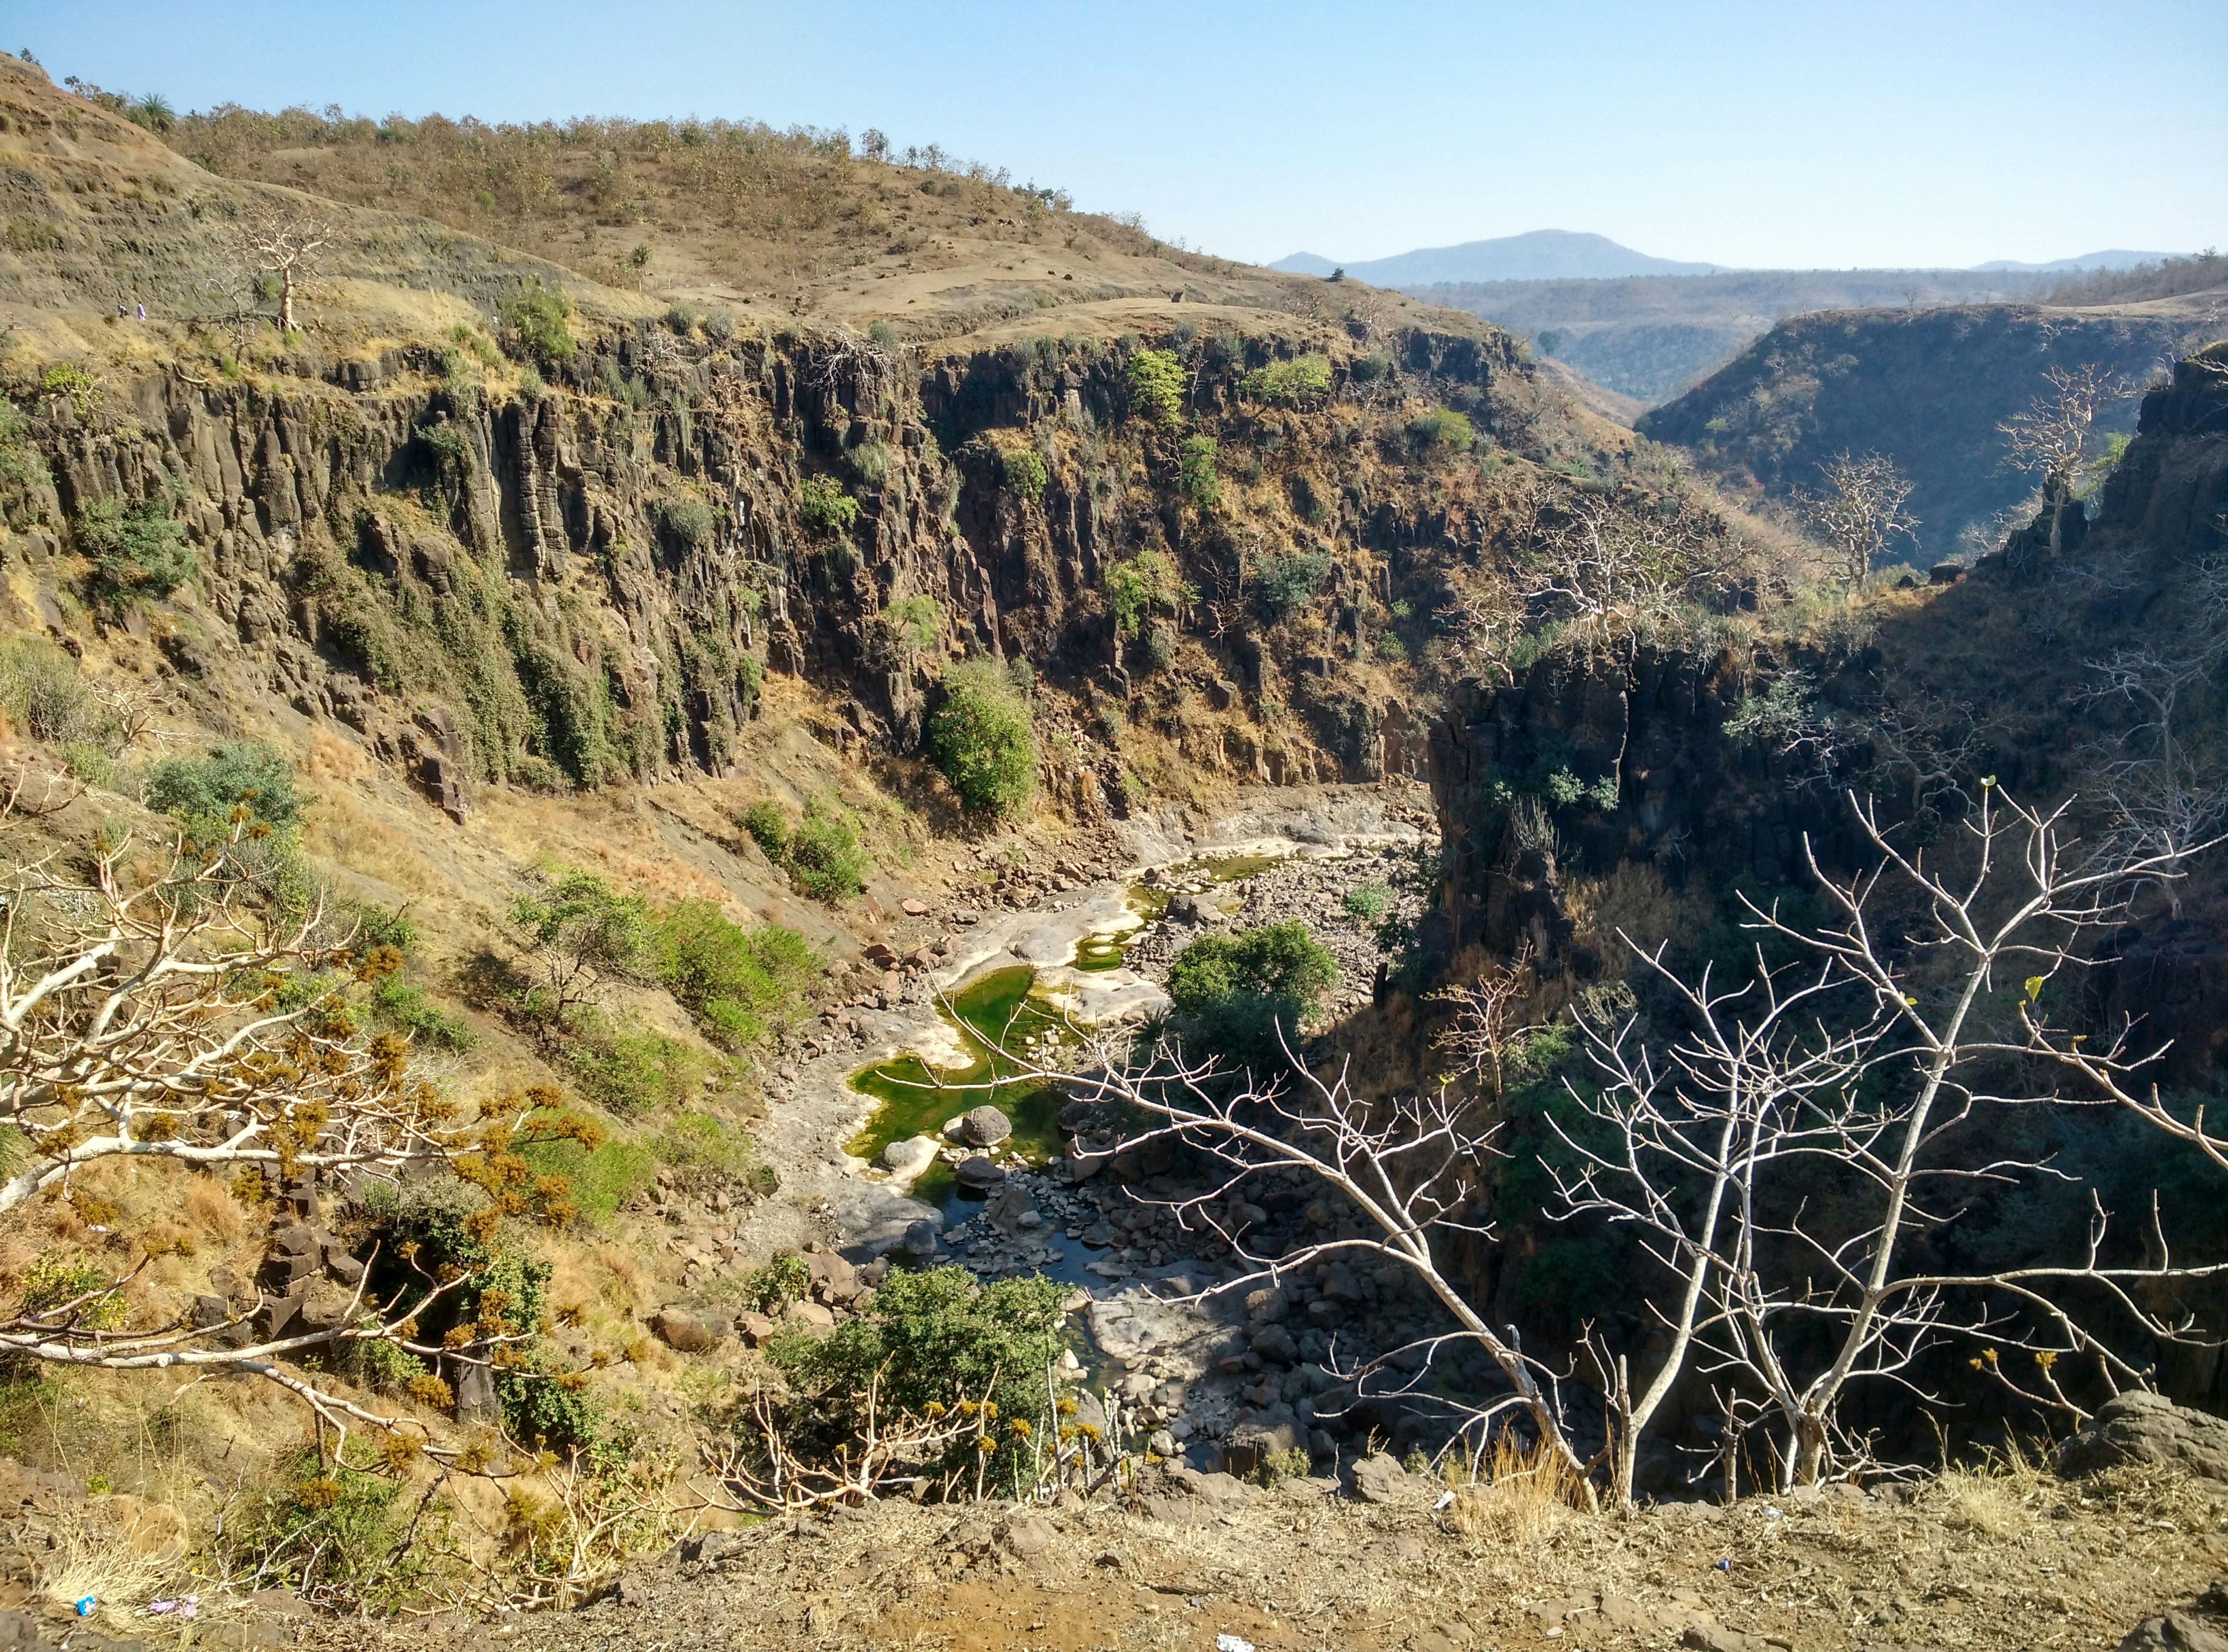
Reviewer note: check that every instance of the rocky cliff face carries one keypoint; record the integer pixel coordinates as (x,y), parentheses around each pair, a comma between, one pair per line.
(585,579)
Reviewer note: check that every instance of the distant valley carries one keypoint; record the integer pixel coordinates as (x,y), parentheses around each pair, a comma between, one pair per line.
(1650,328)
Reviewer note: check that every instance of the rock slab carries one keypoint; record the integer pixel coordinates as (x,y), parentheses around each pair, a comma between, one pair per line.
(2149,1429)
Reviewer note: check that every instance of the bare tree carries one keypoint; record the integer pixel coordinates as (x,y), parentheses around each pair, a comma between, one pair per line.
(1860,513)
(1861,1062)
(285,243)
(1607,568)
(2053,436)
(172,1019)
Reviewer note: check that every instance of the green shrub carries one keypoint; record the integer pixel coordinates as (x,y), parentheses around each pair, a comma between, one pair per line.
(1442,429)
(53,1279)
(870,462)
(1367,901)
(541,316)
(690,521)
(403,1006)
(883,336)
(981,739)
(630,1071)
(1024,470)
(240,774)
(311,1529)
(1234,993)
(824,506)
(1287,579)
(681,319)
(782,1280)
(446,445)
(378,926)
(934,1339)
(1138,585)
(602,1178)
(1304,378)
(1370,368)
(913,626)
(583,929)
(1195,474)
(137,550)
(734,981)
(825,861)
(769,828)
(1157,387)
(44,695)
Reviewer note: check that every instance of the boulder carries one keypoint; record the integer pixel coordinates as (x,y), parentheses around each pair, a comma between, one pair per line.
(835,1281)
(923,1238)
(756,1329)
(1009,1209)
(981,1172)
(1380,1479)
(914,907)
(1274,1344)
(685,1332)
(906,1160)
(2151,1428)
(985,1126)
(2200,1626)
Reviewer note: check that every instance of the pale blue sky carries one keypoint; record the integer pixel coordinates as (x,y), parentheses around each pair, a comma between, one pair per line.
(1792,132)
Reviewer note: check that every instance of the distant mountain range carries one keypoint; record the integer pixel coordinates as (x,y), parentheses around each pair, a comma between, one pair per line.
(1542,255)
(1562,254)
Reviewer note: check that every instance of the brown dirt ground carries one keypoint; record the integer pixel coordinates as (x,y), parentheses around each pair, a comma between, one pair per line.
(2011,1560)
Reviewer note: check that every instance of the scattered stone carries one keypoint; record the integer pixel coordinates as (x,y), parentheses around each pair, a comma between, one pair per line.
(1252,1444)
(756,1329)
(914,907)
(812,1316)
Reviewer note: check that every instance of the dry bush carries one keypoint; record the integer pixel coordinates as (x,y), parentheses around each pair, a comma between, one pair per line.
(2000,1496)
(121,1552)
(208,1208)
(1520,1494)
(1634,900)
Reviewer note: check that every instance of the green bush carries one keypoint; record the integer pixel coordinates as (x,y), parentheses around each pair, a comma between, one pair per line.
(870,462)
(1367,901)
(825,861)
(403,1006)
(378,926)
(1233,994)
(1138,585)
(240,774)
(584,930)
(681,319)
(734,981)
(630,1071)
(782,1280)
(1195,474)
(1157,387)
(311,1529)
(44,695)
(981,739)
(769,828)
(1304,378)
(885,336)
(1287,579)
(934,1339)
(914,625)
(53,1279)
(1442,429)
(824,506)
(446,446)
(690,521)
(137,550)
(602,1178)
(541,315)
(1024,470)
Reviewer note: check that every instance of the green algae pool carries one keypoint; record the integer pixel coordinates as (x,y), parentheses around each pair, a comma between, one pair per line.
(998,1010)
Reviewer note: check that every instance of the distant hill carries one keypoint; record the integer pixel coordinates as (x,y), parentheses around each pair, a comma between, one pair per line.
(1540,255)
(2117,258)
(1650,337)
(1929,387)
